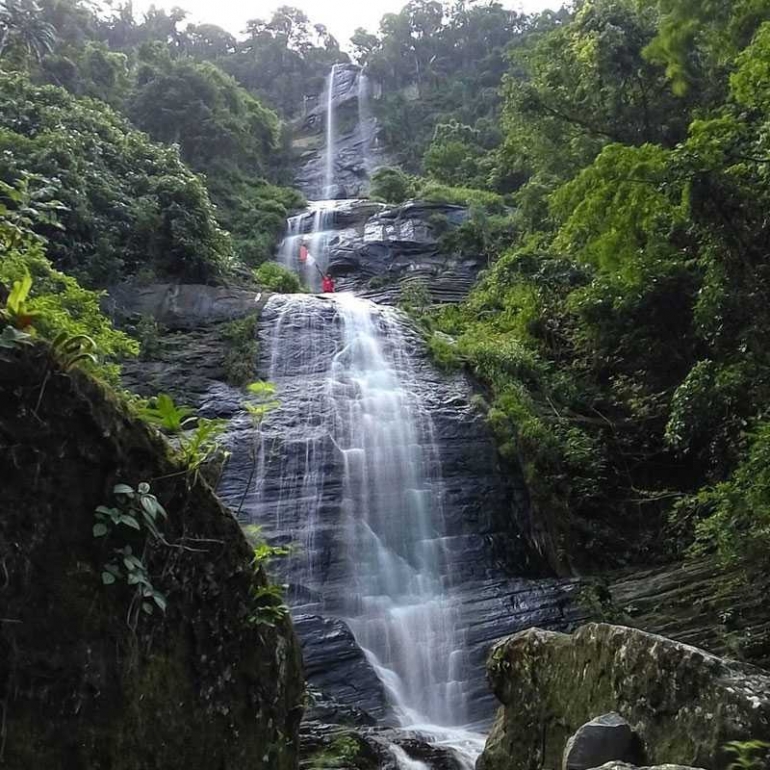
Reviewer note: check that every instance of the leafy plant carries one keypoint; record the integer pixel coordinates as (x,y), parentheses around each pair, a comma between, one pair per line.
(200,445)
(11,338)
(748,755)
(71,350)
(263,403)
(16,310)
(164,413)
(138,510)
(269,607)
(134,508)
(275,277)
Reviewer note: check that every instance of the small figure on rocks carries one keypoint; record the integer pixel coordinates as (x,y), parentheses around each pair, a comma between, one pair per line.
(327,284)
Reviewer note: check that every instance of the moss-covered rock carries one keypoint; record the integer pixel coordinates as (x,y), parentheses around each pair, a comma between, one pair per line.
(684,703)
(88,680)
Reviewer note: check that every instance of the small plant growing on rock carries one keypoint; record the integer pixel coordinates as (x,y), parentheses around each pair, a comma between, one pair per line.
(138,510)
(16,312)
(269,607)
(748,755)
(196,445)
(165,414)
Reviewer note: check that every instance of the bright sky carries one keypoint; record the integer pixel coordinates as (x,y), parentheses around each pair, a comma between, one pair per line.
(341,17)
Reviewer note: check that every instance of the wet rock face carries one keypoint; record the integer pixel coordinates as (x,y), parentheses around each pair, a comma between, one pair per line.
(357,150)
(334,663)
(182,307)
(482,541)
(377,250)
(683,703)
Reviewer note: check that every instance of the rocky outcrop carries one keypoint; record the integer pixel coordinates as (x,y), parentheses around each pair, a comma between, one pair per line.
(182,306)
(699,604)
(684,703)
(334,663)
(378,251)
(626,766)
(357,149)
(87,677)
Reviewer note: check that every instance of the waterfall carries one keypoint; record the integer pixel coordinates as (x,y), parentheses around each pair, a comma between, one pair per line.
(360,407)
(329,177)
(365,121)
(399,610)
(350,473)
(289,249)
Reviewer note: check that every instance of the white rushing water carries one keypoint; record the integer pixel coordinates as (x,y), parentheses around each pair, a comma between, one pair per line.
(366,127)
(399,610)
(362,396)
(329,187)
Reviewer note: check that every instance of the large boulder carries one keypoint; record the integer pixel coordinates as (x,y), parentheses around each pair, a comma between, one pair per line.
(183,306)
(88,679)
(684,703)
(625,766)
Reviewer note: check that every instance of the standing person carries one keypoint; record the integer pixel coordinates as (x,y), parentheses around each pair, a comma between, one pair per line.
(327,284)
(303,253)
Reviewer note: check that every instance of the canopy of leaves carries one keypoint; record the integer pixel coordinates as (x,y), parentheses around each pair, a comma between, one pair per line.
(623,334)
(131,205)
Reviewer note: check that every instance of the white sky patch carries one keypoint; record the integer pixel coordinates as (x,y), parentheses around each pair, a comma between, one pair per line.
(341,17)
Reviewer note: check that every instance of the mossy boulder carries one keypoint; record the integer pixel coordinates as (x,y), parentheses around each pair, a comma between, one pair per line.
(86,680)
(684,703)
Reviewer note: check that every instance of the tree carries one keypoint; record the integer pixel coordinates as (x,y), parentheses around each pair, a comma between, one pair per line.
(23,33)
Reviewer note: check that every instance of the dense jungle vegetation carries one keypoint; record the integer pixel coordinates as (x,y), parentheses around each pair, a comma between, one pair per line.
(614,156)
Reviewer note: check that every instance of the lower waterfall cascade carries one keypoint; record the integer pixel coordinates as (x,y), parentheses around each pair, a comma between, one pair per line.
(359,474)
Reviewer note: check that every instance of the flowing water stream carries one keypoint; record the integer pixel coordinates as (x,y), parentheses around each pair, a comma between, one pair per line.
(357,431)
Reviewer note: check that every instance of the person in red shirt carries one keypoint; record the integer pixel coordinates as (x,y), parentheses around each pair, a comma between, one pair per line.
(303,253)
(327,284)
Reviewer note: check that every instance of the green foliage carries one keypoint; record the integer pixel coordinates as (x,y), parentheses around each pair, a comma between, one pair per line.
(275,277)
(748,755)
(342,750)
(24,35)
(57,305)
(268,606)
(201,445)
(733,517)
(126,203)
(139,511)
(242,349)
(148,335)
(196,437)
(165,414)
(392,185)
(262,401)
(11,338)
(414,297)
(621,326)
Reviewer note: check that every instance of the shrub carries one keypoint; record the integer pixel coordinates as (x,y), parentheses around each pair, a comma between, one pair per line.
(275,277)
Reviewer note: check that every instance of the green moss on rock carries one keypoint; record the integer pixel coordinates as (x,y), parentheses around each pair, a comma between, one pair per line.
(684,703)
(194,688)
